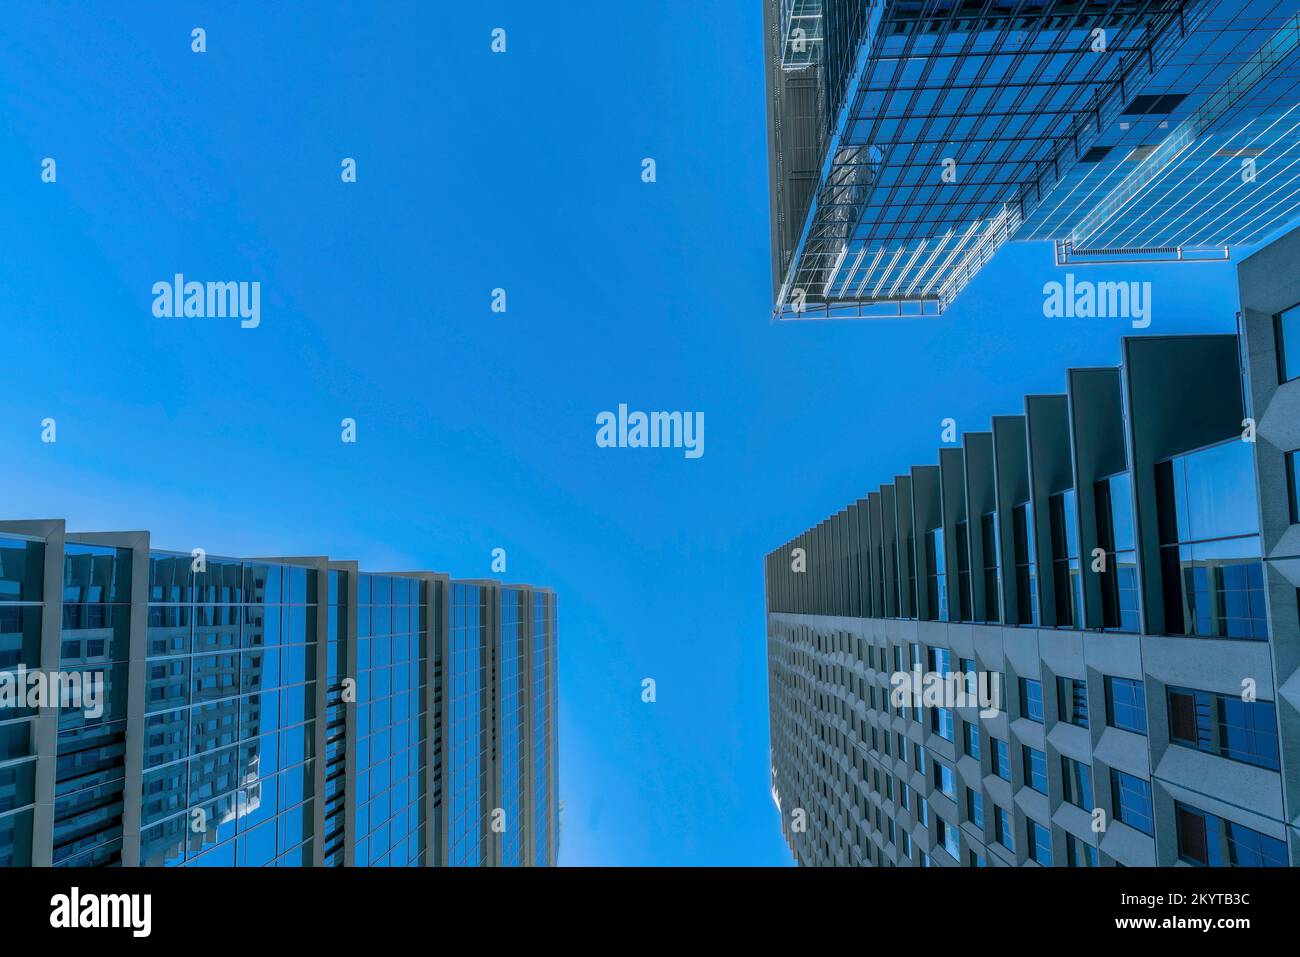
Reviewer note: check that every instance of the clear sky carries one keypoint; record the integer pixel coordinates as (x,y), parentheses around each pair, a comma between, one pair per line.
(476,430)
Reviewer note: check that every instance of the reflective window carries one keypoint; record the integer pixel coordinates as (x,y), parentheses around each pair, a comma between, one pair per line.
(1225,725)
(1079,854)
(1002,828)
(1212,841)
(972,739)
(1132,797)
(1035,768)
(1031,699)
(1026,570)
(1067,576)
(975,808)
(992,581)
(1001,759)
(1040,843)
(1077,783)
(1213,576)
(1119,583)
(1126,704)
(1293,484)
(1287,330)
(1072,701)
(230,713)
(936,583)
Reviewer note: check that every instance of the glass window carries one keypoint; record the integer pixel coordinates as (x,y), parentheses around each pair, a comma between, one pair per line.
(1072,700)
(1040,843)
(1211,571)
(941,722)
(1077,782)
(1293,484)
(975,808)
(1224,725)
(1001,759)
(1287,330)
(1080,854)
(1067,578)
(1026,571)
(992,567)
(944,779)
(1126,704)
(963,572)
(1132,797)
(1031,699)
(1119,588)
(972,739)
(1211,841)
(1002,828)
(936,586)
(1035,768)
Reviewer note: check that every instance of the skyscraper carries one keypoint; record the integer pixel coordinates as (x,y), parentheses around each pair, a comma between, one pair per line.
(290,711)
(1114,574)
(910,139)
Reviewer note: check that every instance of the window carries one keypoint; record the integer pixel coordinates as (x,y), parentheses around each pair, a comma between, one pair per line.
(904,795)
(1077,782)
(972,738)
(1223,725)
(1119,586)
(1286,327)
(1079,853)
(1067,578)
(944,779)
(1002,828)
(947,835)
(1035,768)
(963,572)
(1212,576)
(941,722)
(1031,699)
(1026,573)
(907,844)
(1126,704)
(1072,700)
(975,860)
(1001,759)
(975,808)
(1040,843)
(910,552)
(936,588)
(918,756)
(992,567)
(923,812)
(1293,484)
(1212,841)
(1132,798)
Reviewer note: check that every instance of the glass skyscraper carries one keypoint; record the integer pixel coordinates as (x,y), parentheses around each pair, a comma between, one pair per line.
(1132,680)
(287,712)
(910,139)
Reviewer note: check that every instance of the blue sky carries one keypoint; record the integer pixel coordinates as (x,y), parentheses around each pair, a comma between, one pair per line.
(476,430)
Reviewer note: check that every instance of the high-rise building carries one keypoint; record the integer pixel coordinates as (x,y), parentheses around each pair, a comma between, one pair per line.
(287,711)
(1113,573)
(910,139)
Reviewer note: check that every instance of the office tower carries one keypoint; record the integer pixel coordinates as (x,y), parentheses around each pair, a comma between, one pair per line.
(1114,571)
(285,711)
(910,139)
